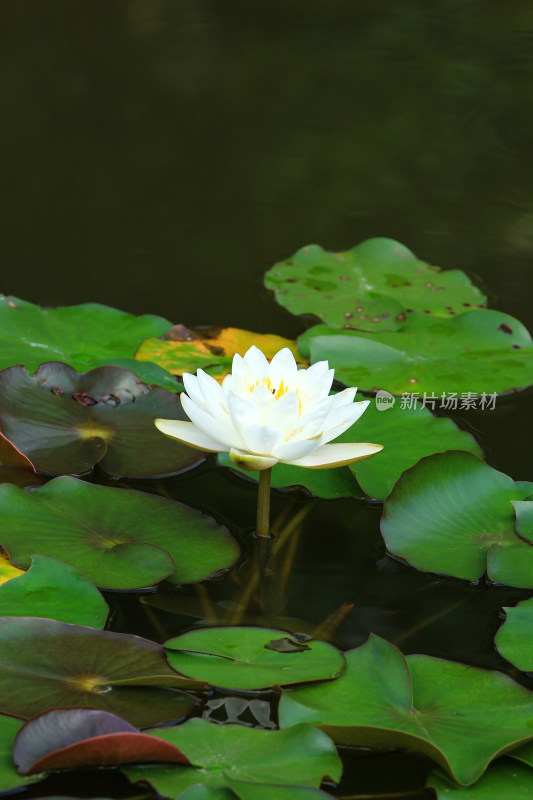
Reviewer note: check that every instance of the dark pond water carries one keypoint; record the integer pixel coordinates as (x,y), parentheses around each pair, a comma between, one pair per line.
(160,155)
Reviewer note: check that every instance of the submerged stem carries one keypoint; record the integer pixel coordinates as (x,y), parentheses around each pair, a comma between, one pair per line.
(263,503)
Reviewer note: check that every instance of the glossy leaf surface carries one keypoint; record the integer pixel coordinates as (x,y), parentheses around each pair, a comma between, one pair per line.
(81,737)
(477,352)
(16,468)
(460,716)
(183,350)
(85,336)
(504,780)
(46,664)
(514,640)
(118,538)
(452,514)
(66,423)
(368,287)
(53,589)
(239,658)
(301,756)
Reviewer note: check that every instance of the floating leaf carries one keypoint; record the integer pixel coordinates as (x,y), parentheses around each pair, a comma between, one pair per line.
(407,435)
(118,538)
(247,790)
(514,640)
(502,781)
(326,483)
(46,664)
(368,287)
(524,518)
(183,350)
(80,737)
(460,716)
(66,423)
(240,658)
(300,756)
(480,352)
(85,336)
(452,514)
(7,570)
(54,590)
(16,468)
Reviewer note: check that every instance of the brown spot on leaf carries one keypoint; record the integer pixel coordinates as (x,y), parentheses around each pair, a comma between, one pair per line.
(290,280)
(516,347)
(344,278)
(328,297)
(468,305)
(348,315)
(375,319)
(362,316)
(385,314)
(412,380)
(359,308)
(84,399)
(401,317)
(504,328)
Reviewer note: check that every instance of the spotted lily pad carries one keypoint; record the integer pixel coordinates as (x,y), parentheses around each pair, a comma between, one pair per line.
(85,336)
(504,780)
(79,737)
(54,590)
(241,658)
(46,664)
(370,287)
(118,538)
(479,352)
(452,514)
(459,716)
(301,756)
(183,350)
(66,423)
(514,640)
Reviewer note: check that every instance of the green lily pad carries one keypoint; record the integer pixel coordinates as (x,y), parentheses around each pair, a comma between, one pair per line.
(247,790)
(9,777)
(118,538)
(16,468)
(523,754)
(407,435)
(53,589)
(460,716)
(480,353)
(65,423)
(514,640)
(502,781)
(46,664)
(301,756)
(325,483)
(239,658)
(452,514)
(368,287)
(524,518)
(85,336)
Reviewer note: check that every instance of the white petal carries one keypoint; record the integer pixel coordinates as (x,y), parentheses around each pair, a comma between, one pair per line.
(344,397)
(214,398)
(284,413)
(261,439)
(209,425)
(312,422)
(263,400)
(188,433)
(340,419)
(337,455)
(257,362)
(291,451)
(316,369)
(191,387)
(227,384)
(282,368)
(243,413)
(244,378)
(251,462)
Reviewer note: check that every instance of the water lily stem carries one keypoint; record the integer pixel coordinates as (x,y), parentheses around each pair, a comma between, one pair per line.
(263,504)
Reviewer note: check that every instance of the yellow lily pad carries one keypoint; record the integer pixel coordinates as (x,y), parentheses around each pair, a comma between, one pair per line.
(184,350)
(7,571)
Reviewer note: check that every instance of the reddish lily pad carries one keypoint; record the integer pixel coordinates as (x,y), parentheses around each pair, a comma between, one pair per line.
(118,538)
(46,664)
(80,737)
(16,468)
(65,423)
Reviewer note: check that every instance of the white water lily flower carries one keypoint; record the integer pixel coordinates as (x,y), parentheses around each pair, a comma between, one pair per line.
(269,412)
